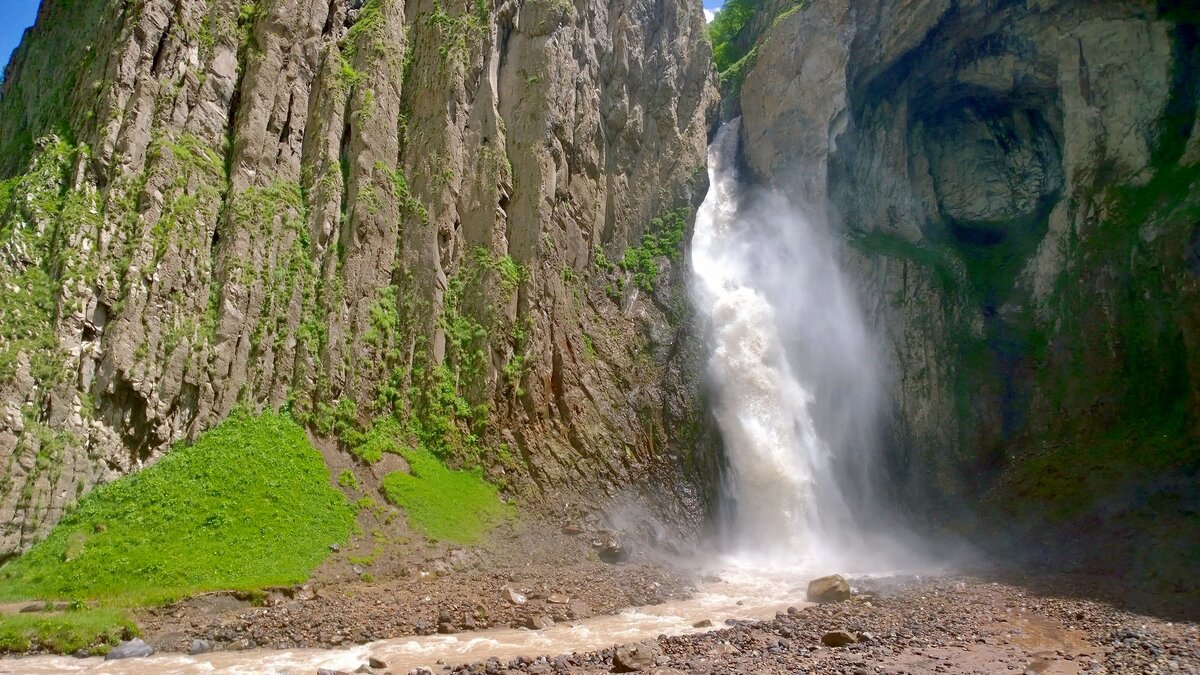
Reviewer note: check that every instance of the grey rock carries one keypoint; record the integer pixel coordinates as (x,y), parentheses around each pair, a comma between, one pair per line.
(129,649)
(200,647)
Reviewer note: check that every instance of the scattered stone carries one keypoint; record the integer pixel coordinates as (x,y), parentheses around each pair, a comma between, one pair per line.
(129,649)
(200,647)
(366,669)
(330,671)
(631,658)
(833,588)
(838,638)
(558,599)
(446,628)
(335,548)
(512,596)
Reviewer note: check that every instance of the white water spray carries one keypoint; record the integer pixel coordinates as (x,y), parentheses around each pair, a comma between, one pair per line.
(791,368)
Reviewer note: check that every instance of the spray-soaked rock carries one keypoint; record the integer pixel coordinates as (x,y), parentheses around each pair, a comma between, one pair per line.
(833,588)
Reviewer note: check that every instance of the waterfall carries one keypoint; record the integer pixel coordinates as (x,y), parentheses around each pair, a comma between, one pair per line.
(791,368)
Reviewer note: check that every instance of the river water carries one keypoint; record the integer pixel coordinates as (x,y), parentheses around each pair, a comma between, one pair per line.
(740,593)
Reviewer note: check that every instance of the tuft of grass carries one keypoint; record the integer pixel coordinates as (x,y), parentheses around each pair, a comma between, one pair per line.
(457,506)
(92,630)
(248,505)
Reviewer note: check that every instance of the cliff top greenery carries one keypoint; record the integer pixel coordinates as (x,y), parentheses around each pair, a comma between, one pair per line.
(249,504)
(723,30)
(735,33)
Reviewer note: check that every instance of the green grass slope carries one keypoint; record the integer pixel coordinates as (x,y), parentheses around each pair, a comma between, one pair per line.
(456,506)
(250,504)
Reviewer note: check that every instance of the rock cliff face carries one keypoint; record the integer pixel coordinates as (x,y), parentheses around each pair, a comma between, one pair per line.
(354,211)
(1016,183)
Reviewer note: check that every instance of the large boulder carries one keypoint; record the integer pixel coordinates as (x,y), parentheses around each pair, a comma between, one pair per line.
(833,588)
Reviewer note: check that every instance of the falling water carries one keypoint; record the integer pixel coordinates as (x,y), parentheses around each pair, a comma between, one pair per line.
(791,367)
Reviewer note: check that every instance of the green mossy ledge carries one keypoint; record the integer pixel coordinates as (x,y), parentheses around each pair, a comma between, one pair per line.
(249,504)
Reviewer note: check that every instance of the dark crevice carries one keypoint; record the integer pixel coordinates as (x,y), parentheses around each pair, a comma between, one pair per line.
(327,29)
(286,131)
(344,202)
(162,45)
(1179,117)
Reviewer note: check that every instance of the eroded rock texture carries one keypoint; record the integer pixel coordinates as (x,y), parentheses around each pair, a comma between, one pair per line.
(1016,183)
(350,212)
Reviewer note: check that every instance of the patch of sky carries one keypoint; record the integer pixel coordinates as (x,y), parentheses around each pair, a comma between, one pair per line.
(17,15)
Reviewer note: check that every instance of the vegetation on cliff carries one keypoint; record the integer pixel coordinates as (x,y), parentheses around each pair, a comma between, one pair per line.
(735,33)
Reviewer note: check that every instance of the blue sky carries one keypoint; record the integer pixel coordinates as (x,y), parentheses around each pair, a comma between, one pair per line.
(15,17)
(712,6)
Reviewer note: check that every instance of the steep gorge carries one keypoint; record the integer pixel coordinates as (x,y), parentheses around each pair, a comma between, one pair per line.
(360,213)
(460,225)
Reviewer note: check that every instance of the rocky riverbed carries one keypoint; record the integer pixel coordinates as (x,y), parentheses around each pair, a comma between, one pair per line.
(947,624)
(459,598)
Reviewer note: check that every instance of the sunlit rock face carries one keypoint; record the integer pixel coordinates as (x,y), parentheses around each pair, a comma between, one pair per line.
(1013,182)
(351,210)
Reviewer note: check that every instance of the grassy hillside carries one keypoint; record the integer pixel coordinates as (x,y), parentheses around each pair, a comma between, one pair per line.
(250,504)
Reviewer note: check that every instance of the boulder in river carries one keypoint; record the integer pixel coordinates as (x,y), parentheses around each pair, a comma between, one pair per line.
(128,650)
(637,656)
(838,638)
(833,588)
(376,663)
(538,622)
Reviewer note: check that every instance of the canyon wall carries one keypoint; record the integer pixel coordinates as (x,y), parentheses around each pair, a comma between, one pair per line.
(447,223)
